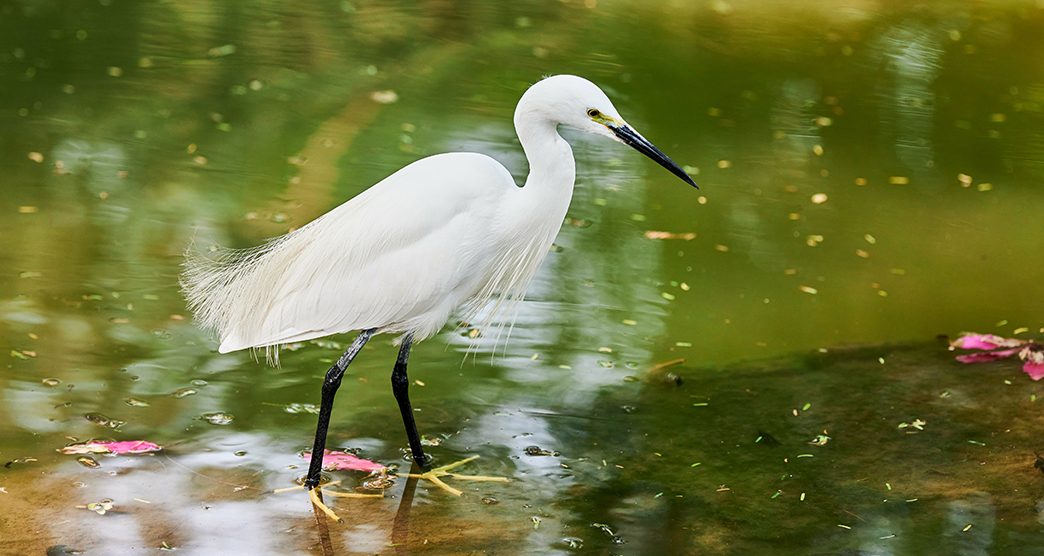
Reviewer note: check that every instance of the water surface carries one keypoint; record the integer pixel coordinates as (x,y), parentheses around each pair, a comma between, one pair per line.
(871,176)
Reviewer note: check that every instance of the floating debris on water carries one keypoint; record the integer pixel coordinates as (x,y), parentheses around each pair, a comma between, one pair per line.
(51,382)
(135,402)
(104,421)
(538,451)
(992,348)
(573,543)
(653,234)
(217,418)
(387,96)
(344,461)
(661,373)
(100,508)
(184,392)
(111,447)
(613,537)
(377,481)
(88,462)
(295,408)
(912,427)
(819,440)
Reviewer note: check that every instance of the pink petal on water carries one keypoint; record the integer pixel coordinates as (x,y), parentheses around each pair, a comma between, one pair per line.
(1034,370)
(984,356)
(972,340)
(131,447)
(1033,355)
(343,461)
(111,447)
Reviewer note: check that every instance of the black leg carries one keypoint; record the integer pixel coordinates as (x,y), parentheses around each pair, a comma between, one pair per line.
(401,389)
(330,385)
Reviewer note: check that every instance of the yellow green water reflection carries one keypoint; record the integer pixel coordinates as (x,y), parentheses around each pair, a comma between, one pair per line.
(871,175)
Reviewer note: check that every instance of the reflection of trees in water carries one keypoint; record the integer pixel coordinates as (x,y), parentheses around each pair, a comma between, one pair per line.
(311,63)
(910,58)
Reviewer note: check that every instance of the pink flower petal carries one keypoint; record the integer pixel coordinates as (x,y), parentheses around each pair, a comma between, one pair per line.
(343,461)
(111,447)
(1033,355)
(1034,370)
(985,356)
(131,447)
(972,340)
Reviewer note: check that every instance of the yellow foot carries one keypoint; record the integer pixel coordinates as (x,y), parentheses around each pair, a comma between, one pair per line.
(444,471)
(313,494)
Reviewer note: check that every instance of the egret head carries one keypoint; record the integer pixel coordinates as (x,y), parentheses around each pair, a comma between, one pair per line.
(576,102)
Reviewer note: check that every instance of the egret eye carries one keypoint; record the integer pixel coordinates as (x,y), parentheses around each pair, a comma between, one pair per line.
(593,113)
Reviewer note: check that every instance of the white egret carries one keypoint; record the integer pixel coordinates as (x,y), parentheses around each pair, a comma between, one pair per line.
(446,232)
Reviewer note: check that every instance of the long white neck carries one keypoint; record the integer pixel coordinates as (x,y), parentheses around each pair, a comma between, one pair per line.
(552,170)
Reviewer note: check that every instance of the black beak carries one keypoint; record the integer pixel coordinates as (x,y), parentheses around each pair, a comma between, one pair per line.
(640,144)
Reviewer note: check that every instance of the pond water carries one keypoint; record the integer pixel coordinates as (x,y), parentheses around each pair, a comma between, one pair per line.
(871,178)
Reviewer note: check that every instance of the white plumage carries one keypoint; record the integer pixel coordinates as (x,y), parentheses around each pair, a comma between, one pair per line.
(445,232)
